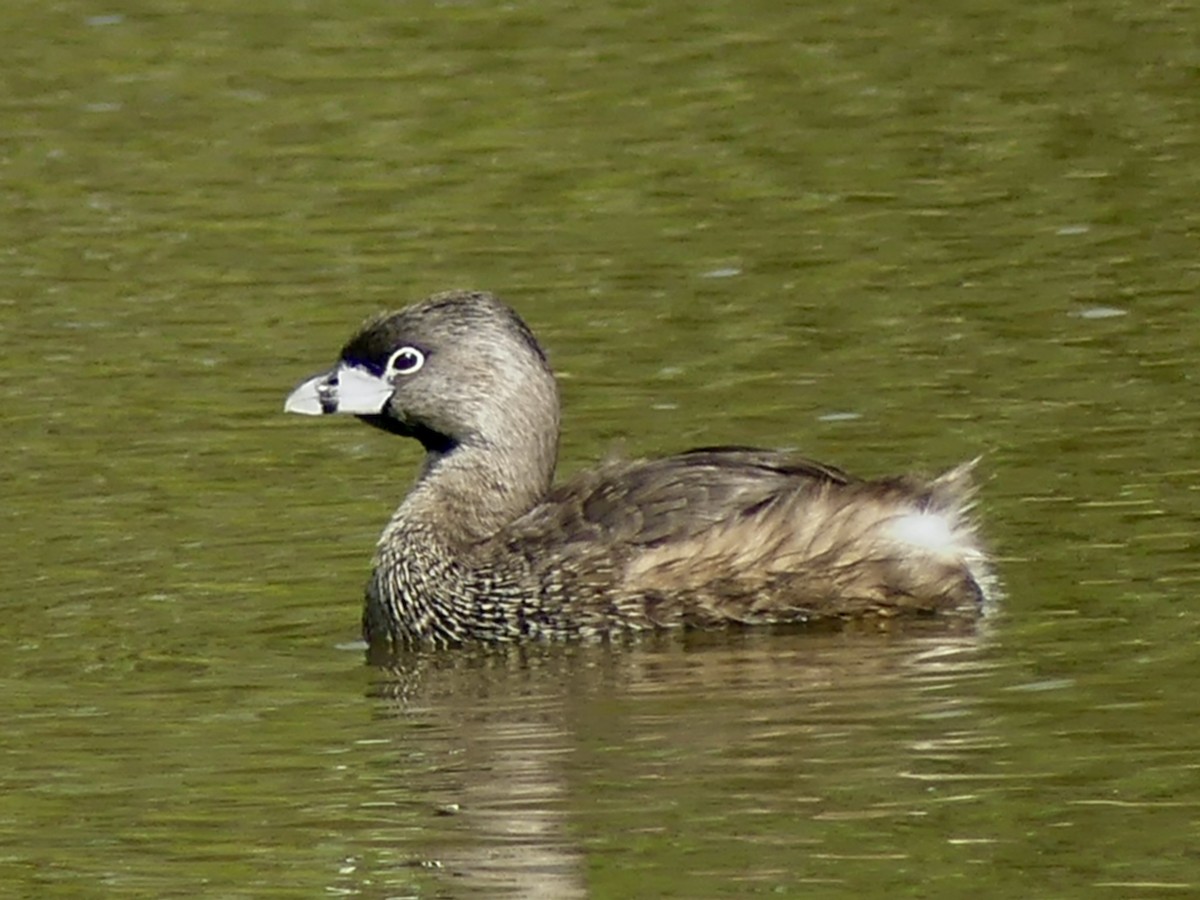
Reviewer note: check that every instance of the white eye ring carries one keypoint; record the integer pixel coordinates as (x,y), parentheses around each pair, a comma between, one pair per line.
(405,361)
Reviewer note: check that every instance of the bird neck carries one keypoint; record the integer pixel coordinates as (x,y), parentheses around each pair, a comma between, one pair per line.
(467,492)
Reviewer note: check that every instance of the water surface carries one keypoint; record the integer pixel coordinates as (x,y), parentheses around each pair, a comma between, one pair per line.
(890,237)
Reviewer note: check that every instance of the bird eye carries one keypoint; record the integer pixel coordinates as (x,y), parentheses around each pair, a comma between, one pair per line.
(405,361)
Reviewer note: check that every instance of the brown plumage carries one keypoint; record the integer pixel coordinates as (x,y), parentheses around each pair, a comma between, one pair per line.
(483,548)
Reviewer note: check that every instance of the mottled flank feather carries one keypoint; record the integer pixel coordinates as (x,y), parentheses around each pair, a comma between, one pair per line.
(484,549)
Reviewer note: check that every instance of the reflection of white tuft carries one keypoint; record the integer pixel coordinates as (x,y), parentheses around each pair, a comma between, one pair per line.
(930,531)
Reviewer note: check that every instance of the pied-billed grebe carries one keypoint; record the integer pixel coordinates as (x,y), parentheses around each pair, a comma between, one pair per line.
(484,548)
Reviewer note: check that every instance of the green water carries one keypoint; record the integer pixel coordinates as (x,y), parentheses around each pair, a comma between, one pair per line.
(891,236)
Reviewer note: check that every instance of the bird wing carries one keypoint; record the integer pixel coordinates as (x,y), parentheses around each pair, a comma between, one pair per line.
(646,503)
